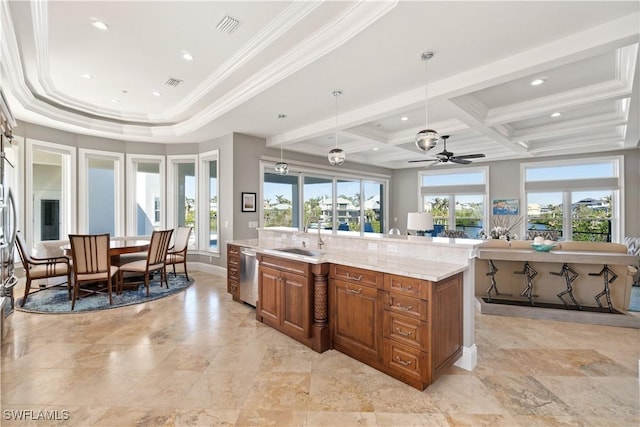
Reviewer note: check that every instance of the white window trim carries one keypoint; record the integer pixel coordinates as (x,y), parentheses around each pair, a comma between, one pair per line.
(68,205)
(132,160)
(172,190)
(118,164)
(204,193)
(618,217)
(307,169)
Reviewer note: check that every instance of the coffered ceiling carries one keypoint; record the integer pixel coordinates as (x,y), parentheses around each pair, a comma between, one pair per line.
(287,57)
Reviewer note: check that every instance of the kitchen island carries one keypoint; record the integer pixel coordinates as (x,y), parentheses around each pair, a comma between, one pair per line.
(399,304)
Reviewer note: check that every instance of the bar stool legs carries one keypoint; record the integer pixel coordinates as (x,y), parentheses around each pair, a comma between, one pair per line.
(530,273)
(569,276)
(605,272)
(492,272)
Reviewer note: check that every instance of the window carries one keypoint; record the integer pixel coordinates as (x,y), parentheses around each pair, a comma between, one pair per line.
(145,194)
(182,193)
(579,199)
(456,199)
(209,214)
(280,200)
(101,201)
(310,198)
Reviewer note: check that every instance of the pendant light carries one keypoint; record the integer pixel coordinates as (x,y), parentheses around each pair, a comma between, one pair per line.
(281,167)
(336,156)
(427,138)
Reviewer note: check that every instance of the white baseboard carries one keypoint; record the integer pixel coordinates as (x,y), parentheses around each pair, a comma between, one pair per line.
(469,358)
(208,268)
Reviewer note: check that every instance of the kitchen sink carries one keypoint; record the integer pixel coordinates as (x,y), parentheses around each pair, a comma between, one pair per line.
(300,251)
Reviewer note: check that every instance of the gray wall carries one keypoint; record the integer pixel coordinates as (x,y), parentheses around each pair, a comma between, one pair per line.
(504,182)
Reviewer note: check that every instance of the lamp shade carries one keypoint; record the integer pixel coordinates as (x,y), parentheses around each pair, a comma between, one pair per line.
(419,221)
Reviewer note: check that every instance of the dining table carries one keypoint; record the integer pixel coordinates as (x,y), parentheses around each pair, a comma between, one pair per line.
(119,247)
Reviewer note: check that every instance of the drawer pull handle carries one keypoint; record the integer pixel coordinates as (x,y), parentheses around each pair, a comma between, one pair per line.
(403,333)
(408,288)
(402,362)
(403,308)
(356,278)
(353,291)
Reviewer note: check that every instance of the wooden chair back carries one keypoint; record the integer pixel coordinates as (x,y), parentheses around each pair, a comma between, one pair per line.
(158,247)
(90,254)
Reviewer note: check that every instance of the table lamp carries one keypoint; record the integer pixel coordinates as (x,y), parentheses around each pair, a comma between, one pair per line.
(419,222)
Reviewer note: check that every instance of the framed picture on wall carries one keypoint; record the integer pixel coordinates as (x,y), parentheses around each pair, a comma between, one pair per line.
(506,207)
(248,202)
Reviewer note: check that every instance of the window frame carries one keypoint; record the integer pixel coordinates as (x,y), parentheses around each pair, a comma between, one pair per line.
(302,170)
(204,208)
(568,186)
(172,193)
(451,191)
(131,192)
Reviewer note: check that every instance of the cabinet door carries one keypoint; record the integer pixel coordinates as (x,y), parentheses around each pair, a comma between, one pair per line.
(356,327)
(446,322)
(296,305)
(269,291)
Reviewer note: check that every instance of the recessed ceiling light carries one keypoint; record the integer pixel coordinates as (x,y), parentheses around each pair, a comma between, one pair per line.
(156,93)
(187,56)
(375,148)
(115,101)
(99,24)
(556,114)
(404,118)
(87,76)
(538,82)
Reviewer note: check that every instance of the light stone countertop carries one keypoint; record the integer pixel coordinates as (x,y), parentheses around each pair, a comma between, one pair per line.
(419,269)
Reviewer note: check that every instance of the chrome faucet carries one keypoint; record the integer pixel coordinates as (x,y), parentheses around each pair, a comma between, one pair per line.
(306,229)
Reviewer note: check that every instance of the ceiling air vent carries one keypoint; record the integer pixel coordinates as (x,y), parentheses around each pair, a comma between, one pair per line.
(227,24)
(173,82)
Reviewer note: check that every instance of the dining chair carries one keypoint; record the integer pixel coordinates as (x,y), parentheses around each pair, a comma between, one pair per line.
(41,268)
(91,264)
(156,260)
(178,253)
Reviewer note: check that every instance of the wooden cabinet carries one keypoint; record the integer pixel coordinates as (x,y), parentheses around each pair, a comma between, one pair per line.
(233,271)
(422,327)
(355,312)
(284,296)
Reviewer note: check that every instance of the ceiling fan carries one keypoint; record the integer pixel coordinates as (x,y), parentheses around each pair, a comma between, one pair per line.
(447,156)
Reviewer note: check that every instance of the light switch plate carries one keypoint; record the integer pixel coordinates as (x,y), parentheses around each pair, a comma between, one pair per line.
(253,224)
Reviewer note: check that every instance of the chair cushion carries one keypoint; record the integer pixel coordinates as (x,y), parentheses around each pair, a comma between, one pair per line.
(97,276)
(139,266)
(42,271)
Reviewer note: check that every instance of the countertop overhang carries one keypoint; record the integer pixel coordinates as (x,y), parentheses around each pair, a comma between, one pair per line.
(419,269)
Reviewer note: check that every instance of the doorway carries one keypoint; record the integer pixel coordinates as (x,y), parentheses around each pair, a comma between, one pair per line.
(50,219)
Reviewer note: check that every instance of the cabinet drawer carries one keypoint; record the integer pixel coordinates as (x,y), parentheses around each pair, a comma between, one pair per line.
(233,287)
(405,329)
(233,250)
(409,306)
(407,286)
(233,272)
(406,361)
(356,275)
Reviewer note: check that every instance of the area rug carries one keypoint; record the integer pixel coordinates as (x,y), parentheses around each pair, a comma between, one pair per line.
(56,300)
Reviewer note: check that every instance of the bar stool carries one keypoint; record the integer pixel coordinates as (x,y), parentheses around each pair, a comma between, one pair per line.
(497,244)
(569,275)
(608,275)
(527,270)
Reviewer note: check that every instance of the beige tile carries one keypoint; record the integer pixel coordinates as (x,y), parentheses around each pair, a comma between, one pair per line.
(282,391)
(331,419)
(265,417)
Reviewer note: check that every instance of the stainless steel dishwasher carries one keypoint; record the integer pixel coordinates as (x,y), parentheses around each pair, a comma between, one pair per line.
(248,276)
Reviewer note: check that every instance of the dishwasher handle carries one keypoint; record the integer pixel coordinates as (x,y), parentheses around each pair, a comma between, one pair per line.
(248,252)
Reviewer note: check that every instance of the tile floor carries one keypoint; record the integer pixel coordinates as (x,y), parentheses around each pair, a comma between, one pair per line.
(200,359)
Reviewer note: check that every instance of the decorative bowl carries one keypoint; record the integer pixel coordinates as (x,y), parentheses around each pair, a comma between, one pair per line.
(543,248)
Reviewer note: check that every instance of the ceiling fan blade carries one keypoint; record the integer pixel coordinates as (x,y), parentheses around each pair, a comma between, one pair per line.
(469,156)
(424,160)
(459,161)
